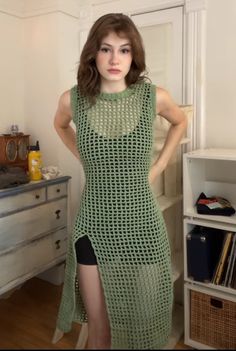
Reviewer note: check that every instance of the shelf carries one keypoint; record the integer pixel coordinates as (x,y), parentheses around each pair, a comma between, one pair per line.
(222,219)
(166,202)
(210,224)
(213,154)
(216,287)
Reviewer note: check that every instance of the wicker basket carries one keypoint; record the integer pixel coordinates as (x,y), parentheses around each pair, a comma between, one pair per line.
(212,321)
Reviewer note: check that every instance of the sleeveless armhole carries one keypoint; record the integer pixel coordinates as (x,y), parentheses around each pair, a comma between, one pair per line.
(74,103)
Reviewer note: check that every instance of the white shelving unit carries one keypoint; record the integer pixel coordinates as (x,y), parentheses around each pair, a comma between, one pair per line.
(212,171)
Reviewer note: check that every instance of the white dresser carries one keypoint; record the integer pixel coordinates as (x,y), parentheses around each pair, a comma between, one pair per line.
(33,230)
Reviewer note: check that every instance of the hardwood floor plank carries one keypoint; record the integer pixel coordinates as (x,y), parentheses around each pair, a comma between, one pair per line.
(28,318)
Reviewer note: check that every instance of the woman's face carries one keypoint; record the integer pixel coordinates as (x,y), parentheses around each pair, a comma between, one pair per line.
(114,58)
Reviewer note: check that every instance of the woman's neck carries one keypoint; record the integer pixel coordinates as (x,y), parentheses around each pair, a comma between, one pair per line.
(112,87)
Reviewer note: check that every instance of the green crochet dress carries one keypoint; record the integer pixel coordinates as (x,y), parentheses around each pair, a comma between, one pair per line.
(120,215)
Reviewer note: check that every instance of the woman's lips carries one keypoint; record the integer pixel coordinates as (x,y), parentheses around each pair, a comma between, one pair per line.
(114,71)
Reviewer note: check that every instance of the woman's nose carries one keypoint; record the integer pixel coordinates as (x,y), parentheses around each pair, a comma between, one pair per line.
(114,58)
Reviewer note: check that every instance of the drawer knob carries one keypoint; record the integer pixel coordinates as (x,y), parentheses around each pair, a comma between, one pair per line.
(58,214)
(58,244)
(37,196)
(58,190)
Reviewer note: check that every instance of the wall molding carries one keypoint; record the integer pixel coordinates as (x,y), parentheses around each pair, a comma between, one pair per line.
(132,7)
(195,5)
(12,7)
(76,8)
(32,8)
(195,72)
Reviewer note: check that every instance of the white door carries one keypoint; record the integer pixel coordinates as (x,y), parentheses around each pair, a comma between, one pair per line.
(162,33)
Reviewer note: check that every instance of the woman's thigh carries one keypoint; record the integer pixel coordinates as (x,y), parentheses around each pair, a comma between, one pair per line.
(92,294)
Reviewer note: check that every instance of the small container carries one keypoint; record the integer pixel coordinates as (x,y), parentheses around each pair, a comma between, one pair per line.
(14,129)
(35,162)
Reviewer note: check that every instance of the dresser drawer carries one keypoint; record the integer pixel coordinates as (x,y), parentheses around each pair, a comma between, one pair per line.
(36,254)
(27,225)
(57,190)
(22,200)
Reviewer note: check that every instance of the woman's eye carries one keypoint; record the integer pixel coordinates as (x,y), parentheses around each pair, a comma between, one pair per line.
(104,49)
(125,51)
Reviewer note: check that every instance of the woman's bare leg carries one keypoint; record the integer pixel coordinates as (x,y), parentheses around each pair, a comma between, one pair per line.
(99,336)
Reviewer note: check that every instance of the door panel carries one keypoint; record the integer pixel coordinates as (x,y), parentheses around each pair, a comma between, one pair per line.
(162,34)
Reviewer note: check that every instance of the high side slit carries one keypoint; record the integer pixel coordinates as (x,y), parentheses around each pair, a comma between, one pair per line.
(122,219)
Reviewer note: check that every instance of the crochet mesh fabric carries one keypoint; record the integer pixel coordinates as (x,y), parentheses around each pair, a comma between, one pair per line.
(120,214)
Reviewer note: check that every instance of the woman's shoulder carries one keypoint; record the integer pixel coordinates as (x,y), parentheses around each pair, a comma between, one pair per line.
(76,94)
(68,97)
(64,100)
(145,85)
(156,92)
(74,89)
(160,91)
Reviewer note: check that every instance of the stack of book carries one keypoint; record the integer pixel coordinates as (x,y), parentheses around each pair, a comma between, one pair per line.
(225,271)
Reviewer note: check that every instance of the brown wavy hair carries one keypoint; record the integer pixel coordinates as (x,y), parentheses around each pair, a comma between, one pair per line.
(88,77)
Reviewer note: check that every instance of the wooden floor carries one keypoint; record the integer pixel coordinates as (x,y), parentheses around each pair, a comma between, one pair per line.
(28,318)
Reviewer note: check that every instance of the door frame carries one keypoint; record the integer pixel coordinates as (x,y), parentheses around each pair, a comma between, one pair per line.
(194,48)
(174,16)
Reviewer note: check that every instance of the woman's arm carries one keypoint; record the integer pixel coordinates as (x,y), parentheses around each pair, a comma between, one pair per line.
(62,121)
(168,109)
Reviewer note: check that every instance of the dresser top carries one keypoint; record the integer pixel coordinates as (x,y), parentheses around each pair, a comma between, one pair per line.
(32,185)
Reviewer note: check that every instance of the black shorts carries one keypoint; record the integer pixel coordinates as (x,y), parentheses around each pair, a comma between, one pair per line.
(84,251)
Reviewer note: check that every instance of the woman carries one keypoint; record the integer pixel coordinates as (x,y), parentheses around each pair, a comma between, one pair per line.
(118,272)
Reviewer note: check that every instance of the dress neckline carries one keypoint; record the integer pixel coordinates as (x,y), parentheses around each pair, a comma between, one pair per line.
(115,96)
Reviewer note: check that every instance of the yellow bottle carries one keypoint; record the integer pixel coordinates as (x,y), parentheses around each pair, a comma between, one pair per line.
(35,162)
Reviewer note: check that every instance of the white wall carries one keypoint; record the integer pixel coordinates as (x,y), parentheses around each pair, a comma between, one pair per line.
(221,74)
(41,82)
(51,56)
(68,58)
(11,72)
